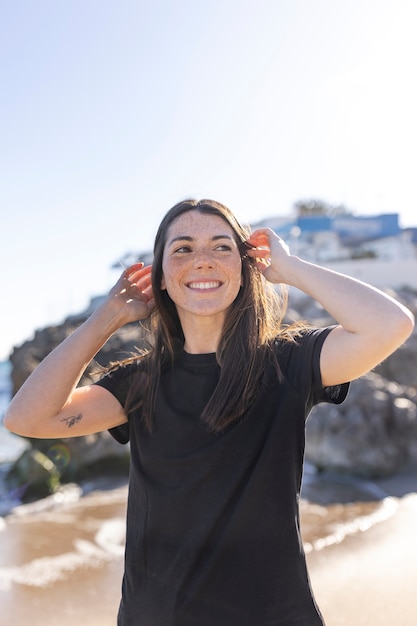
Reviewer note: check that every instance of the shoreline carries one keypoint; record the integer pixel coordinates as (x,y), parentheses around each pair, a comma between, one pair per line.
(370,578)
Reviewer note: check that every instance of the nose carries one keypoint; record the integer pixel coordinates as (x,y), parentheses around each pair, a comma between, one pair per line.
(203,258)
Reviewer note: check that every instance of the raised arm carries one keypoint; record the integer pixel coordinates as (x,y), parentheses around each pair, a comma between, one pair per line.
(49,404)
(372,325)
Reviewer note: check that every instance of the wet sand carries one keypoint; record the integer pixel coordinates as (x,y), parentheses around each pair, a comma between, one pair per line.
(61,560)
(370,578)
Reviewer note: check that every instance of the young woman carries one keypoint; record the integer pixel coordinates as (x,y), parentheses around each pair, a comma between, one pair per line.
(215,413)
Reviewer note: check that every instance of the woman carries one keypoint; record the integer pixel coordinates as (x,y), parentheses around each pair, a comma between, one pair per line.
(215,415)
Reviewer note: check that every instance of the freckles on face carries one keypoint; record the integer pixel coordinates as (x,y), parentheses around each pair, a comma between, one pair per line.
(202,267)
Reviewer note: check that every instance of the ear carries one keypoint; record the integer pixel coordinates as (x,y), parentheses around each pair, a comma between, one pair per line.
(163,286)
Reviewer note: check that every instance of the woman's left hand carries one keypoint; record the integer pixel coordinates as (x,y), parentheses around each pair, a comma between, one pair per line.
(271,254)
(371,324)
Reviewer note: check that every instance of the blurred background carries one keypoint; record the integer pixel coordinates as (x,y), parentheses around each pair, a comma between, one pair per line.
(111,112)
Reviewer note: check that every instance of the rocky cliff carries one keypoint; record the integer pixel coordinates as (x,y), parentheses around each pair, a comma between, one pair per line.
(46,464)
(374,432)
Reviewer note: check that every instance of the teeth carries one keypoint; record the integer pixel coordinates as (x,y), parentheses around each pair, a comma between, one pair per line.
(209,285)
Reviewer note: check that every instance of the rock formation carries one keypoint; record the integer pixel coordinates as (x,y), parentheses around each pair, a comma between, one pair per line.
(46,464)
(374,431)
(371,434)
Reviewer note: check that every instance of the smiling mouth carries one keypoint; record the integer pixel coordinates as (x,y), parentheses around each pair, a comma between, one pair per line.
(203,286)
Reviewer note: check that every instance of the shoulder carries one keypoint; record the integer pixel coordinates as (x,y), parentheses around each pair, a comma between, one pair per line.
(122,370)
(298,356)
(118,378)
(299,343)
(123,380)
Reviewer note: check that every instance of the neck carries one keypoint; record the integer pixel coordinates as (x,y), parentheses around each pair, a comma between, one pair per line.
(202,336)
(200,348)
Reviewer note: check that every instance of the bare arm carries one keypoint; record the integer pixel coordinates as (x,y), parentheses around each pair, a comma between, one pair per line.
(372,325)
(49,404)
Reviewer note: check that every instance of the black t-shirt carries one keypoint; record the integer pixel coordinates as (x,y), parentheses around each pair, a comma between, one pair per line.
(213,534)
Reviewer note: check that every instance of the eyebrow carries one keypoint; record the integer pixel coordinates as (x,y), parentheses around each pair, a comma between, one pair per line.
(188,238)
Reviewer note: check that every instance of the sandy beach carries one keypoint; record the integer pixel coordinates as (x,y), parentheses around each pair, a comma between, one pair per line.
(370,579)
(61,560)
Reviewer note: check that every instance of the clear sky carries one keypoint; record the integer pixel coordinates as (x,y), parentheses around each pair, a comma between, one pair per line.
(113,110)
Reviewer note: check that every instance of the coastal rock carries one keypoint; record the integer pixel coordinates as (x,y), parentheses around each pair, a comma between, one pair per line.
(34,476)
(370,435)
(26,357)
(401,366)
(76,458)
(374,432)
(50,463)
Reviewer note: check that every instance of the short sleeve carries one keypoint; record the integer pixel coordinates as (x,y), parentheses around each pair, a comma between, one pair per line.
(335,394)
(118,382)
(300,364)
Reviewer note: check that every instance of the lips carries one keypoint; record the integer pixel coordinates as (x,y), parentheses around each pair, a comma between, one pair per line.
(204,285)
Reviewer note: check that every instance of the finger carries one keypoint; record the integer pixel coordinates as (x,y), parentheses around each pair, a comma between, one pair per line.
(137,268)
(258,244)
(261,266)
(137,274)
(148,292)
(260,235)
(266,238)
(138,271)
(132,268)
(259,253)
(142,283)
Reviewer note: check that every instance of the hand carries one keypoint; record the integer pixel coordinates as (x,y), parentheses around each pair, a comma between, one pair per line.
(271,254)
(133,293)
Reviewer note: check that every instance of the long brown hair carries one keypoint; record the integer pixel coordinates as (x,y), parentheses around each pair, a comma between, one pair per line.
(253,322)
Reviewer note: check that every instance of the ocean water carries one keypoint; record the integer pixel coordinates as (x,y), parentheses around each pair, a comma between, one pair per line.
(11,446)
(5,385)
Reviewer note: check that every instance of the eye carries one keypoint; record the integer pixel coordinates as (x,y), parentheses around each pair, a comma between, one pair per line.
(224,247)
(182,249)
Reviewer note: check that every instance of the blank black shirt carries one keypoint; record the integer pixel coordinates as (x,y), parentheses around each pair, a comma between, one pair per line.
(213,536)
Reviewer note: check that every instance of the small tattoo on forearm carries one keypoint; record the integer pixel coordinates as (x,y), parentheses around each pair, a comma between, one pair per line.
(71,421)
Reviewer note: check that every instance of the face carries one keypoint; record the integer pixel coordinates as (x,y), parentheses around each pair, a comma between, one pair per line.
(201,265)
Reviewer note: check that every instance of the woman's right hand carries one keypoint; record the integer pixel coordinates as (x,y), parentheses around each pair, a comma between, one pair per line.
(132,294)
(49,402)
